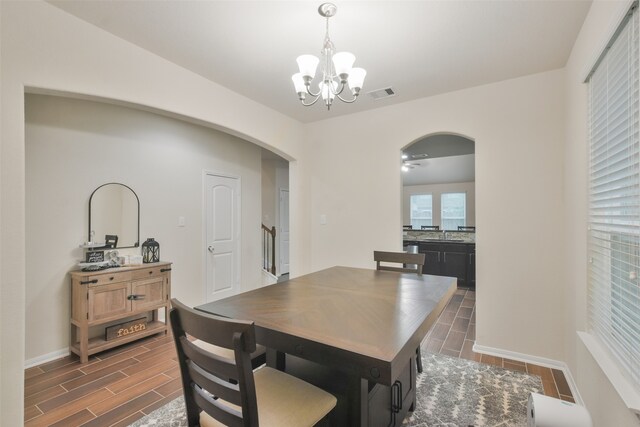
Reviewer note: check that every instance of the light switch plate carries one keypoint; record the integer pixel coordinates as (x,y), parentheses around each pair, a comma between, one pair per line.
(323,219)
(181,221)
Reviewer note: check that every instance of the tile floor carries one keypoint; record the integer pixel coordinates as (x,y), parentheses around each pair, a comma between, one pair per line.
(454,335)
(121,385)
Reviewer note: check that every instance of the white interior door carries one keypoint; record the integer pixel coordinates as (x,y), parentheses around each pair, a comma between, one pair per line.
(284,231)
(222,242)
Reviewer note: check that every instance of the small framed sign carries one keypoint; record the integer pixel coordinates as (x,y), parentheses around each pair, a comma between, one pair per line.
(124,329)
(95,256)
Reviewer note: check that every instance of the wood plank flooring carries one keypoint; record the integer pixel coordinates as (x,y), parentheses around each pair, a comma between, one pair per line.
(114,388)
(455,333)
(119,386)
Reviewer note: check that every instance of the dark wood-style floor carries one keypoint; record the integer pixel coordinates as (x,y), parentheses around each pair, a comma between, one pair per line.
(117,387)
(455,333)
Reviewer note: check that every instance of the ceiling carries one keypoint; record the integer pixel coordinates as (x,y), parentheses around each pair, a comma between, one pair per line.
(419,48)
(441,170)
(449,158)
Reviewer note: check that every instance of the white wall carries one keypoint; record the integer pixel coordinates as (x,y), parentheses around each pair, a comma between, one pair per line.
(268,192)
(518,127)
(74,146)
(275,176)
(606,407)
(46,48)
(436,191)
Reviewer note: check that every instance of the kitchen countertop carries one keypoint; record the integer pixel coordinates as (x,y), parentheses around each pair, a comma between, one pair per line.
(405,240)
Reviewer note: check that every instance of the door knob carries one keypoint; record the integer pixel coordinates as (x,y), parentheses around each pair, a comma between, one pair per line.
(210,248)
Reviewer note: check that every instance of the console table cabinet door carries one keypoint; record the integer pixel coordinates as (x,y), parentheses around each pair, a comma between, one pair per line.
(107,301)
(148,293)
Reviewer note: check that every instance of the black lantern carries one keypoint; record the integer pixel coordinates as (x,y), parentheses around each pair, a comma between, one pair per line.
(150,251)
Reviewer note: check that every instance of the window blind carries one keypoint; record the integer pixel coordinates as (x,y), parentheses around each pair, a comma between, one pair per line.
(614,199)
(421,210)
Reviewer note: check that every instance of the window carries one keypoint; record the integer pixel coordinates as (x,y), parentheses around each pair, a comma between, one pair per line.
(454,210)
(421,210)
(614,200)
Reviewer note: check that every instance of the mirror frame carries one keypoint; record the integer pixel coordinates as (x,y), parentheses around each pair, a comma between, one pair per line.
(137,243)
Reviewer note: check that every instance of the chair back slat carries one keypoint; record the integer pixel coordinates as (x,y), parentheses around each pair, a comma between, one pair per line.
(217,409)
(217,365)
(223,389)
(221,334)
(399,258)
(430,227)
(205,374)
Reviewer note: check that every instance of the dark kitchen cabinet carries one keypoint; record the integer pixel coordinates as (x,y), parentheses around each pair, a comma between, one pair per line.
(471,270)
(454,262)
(449,259)
(431,261)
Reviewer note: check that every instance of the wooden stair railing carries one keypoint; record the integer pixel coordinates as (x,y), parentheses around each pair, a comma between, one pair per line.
(269,249)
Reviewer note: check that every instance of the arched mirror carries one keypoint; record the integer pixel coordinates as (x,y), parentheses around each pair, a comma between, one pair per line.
(114,216)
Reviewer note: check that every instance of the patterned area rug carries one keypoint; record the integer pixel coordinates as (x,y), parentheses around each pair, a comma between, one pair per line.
(451,392)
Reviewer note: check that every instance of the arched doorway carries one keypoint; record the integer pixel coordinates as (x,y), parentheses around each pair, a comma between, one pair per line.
(438,204)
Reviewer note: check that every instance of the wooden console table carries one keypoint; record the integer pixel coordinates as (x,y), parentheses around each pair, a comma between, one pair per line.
(102,298)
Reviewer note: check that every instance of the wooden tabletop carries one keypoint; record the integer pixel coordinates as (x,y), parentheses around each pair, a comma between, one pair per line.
(371,321)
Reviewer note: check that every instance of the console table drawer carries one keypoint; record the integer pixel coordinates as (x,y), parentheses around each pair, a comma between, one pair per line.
(104,279)
(149,272)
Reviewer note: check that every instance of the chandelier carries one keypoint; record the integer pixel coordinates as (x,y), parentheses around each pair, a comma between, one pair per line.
(337,71)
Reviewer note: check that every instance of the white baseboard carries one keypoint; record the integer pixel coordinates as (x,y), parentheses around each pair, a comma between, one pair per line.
(39,360)
(268,278)
(536,360)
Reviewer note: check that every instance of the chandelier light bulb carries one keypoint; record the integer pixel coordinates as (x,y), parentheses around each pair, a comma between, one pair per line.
(324,90)
(356,79)
(298,83)
(343,62)
(307,65)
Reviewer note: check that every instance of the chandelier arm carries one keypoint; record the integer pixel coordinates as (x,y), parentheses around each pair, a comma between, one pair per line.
(311,103)
(311,93)
(342,86)
(346,100)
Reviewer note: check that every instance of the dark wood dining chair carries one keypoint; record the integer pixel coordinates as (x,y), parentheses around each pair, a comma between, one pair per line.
(466,228)
(430,227)
(406,259)
(407,227)
(223,391)
(411,263)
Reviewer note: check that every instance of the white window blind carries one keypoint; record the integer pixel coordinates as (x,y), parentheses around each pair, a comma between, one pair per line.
(453,210)
(421,210)
(614,200)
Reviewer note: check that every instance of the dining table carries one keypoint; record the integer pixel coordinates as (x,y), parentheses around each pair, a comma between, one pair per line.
(351,331)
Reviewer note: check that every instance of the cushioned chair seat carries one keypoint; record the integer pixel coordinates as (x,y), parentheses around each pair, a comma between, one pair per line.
(284,401)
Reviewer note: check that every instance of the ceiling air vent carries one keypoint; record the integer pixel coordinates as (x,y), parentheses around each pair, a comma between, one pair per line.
(381,93)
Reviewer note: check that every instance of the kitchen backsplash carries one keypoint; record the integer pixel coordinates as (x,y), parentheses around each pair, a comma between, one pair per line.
(439,235)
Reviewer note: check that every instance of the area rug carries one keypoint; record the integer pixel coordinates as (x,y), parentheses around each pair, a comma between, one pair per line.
(450,392)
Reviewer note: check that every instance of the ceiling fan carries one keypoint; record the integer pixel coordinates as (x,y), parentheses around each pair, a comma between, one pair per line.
(418,156)
(410,161)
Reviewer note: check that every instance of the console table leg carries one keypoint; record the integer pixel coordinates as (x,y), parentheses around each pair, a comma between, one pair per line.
(84,343)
